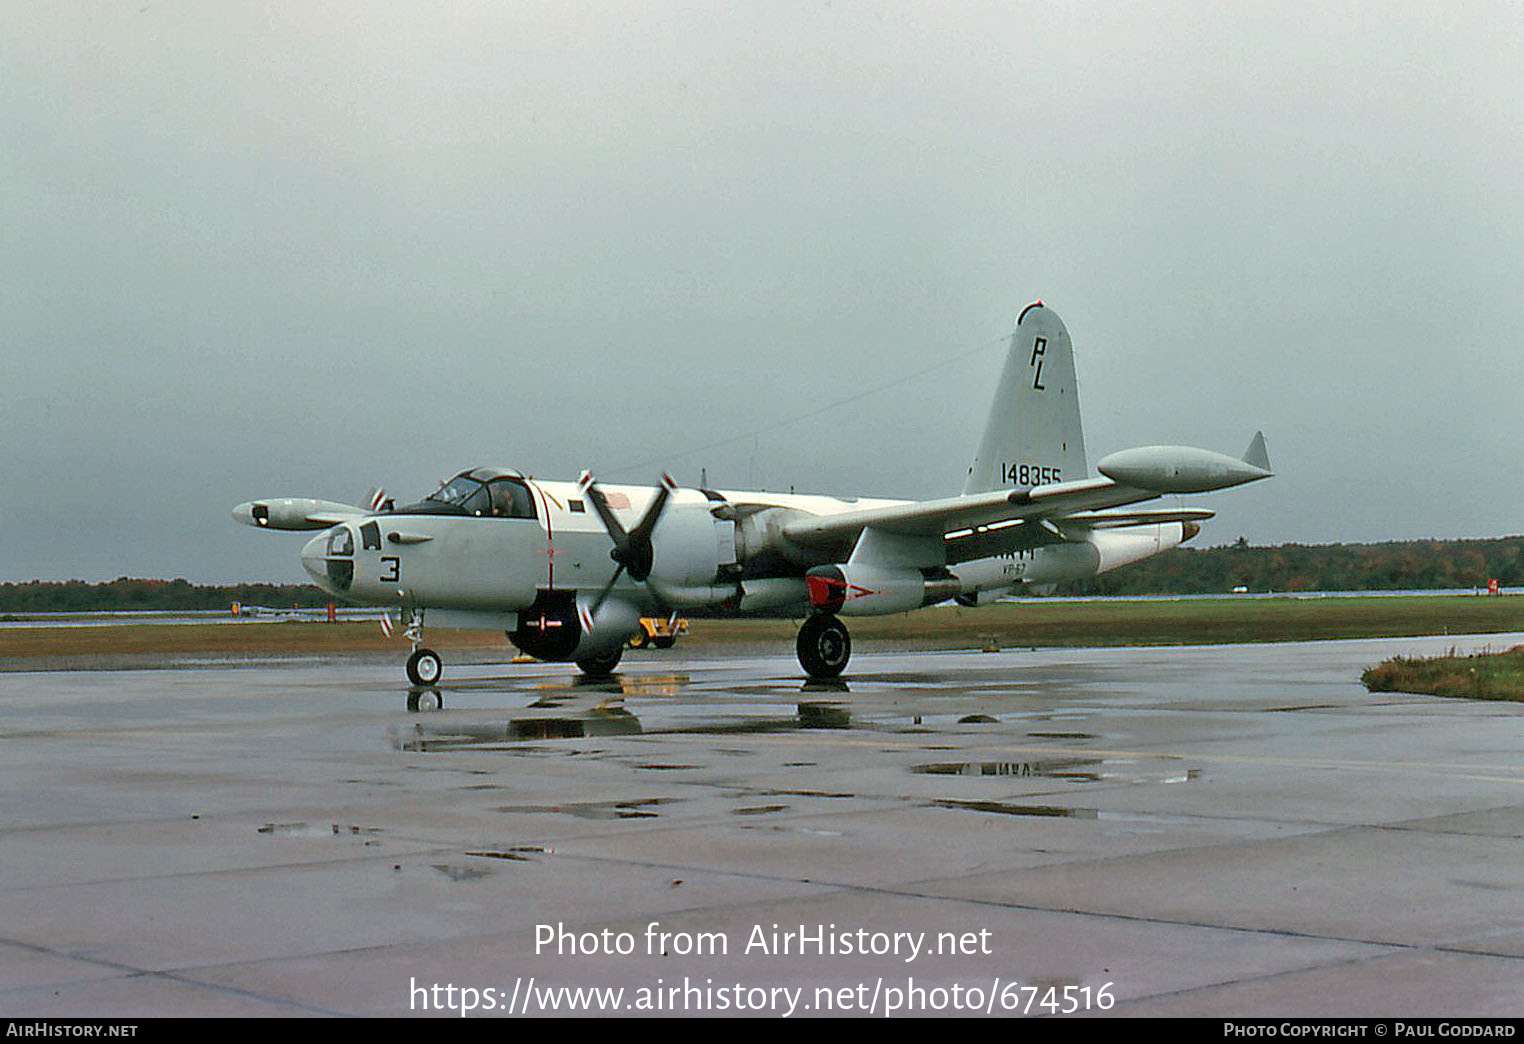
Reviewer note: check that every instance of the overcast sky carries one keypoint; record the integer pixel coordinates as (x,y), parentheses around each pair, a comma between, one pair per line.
(302,249)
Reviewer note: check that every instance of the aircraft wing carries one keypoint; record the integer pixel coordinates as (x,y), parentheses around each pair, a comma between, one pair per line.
(1127,477)
(950,515)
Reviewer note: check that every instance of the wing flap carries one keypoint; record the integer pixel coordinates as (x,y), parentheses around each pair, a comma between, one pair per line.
(1003,539)
(1126,519)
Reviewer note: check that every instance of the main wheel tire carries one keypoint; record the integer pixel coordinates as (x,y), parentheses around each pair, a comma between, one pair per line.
(664,642)
(424,667)
(824,646)
(600,666)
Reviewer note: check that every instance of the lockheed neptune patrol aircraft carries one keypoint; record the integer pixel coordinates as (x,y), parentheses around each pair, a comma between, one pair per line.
(567,569)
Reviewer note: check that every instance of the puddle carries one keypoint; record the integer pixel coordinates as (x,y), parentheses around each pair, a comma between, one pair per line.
(807,716)
(571,728)
(518,854)
(450,732)
(295,830)
(438,734)
(596,809)
(1008,809)
(316,830)
(784,828)
(824,716)
(1073,769)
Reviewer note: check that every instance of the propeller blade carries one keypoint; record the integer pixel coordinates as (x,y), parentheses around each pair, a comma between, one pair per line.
(642,553)
(647,523)
(632,549)
(603,595)
(590,492)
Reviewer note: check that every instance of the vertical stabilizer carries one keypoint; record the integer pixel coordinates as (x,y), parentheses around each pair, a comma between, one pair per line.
(1033,435)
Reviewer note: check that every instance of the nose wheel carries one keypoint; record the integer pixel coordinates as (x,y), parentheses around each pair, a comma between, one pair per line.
(824,646)
(424,667)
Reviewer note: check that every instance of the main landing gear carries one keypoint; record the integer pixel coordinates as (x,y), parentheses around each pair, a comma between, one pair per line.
(601,666)
(824,646)
(423,667)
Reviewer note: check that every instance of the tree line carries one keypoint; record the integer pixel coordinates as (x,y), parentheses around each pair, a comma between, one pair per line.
(1416,565)
(125,594)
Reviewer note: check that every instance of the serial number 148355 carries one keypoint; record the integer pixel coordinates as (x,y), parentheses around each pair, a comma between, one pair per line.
(1028,474)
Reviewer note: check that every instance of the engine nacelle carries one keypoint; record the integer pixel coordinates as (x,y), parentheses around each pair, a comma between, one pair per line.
(560,626)
(1097,552)
(761,540)
(998,573)
(1119,547)
(690,546)
(863,590)
(785,593)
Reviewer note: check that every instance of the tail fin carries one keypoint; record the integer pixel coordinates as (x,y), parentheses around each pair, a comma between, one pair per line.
(1033,436)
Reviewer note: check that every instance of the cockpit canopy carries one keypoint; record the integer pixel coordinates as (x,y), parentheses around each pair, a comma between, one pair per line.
(481,492)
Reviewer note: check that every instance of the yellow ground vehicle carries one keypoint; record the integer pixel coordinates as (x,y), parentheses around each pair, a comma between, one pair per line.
(655,630)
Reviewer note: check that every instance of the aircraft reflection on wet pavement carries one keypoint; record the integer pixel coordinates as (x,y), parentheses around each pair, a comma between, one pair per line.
(432,697)
(450,733)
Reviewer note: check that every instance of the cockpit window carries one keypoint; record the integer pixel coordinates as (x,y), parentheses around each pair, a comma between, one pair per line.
(341,566)
(464,493)
(511,499)
(341,541)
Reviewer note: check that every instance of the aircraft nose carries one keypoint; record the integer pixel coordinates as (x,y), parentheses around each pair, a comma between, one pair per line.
(313,560)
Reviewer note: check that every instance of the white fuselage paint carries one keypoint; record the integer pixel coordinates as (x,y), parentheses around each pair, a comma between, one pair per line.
(489,567)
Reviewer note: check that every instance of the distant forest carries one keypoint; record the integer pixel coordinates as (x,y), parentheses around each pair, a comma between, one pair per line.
(125,595)
(1408,565)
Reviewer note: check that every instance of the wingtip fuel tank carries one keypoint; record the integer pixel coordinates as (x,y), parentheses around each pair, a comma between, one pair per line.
(293,513)
(1185,469)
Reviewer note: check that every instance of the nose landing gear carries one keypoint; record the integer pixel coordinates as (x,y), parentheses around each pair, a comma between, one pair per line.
(423,667)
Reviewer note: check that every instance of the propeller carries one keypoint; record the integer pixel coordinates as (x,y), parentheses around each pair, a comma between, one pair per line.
(632,548)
